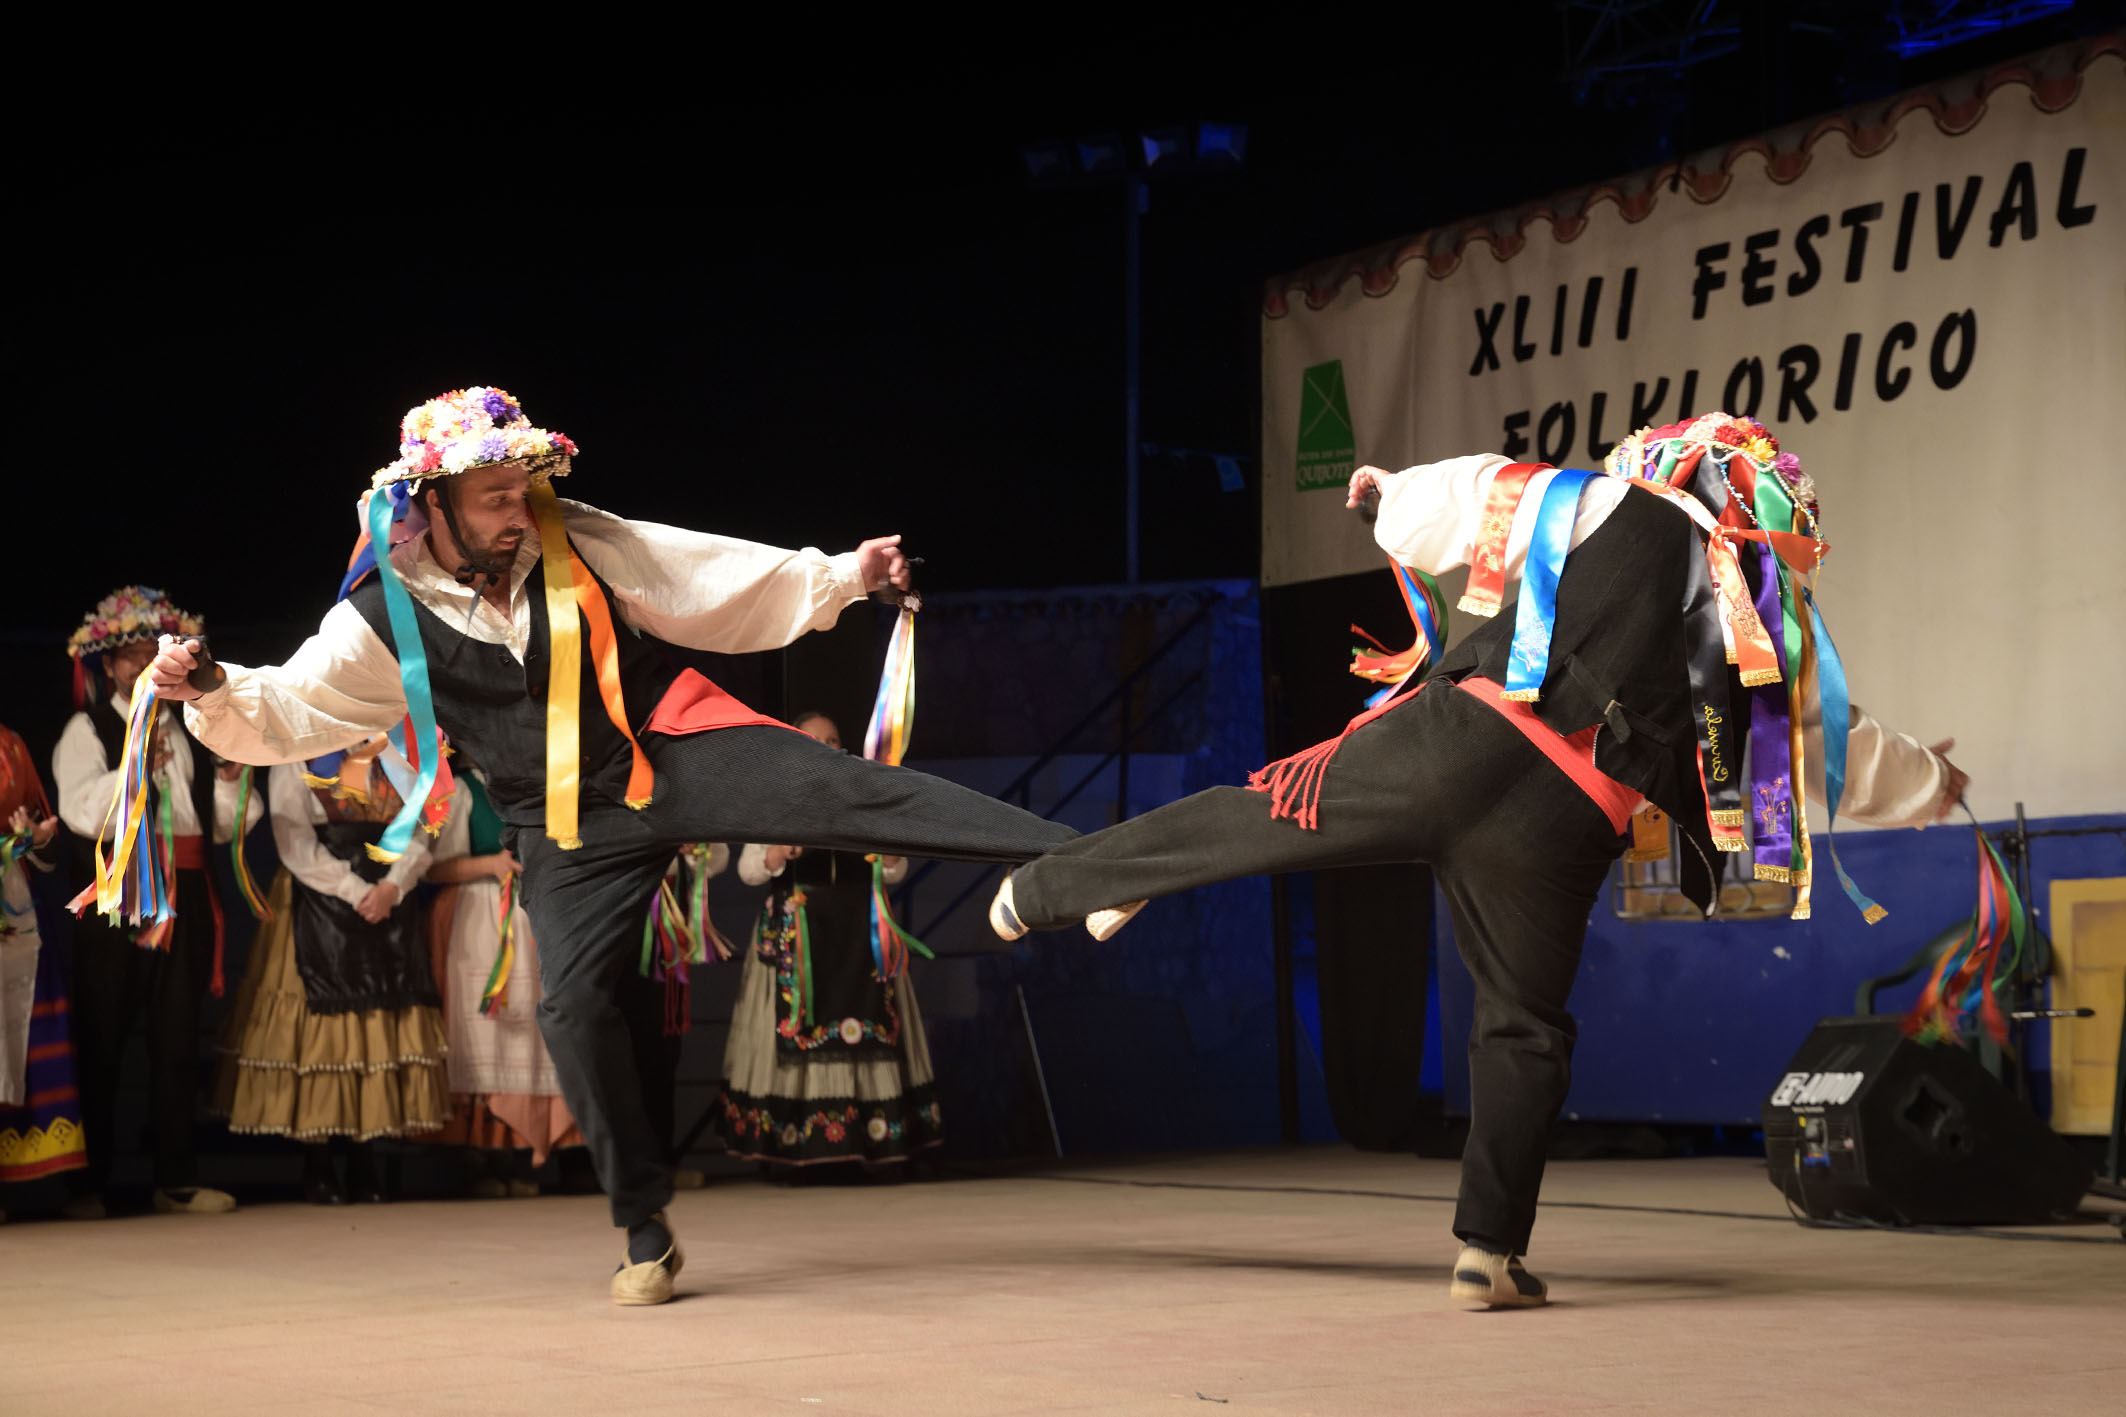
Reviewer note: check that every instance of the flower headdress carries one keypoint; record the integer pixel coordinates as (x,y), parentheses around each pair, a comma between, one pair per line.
(129,615)
(469,428)
(1665,455)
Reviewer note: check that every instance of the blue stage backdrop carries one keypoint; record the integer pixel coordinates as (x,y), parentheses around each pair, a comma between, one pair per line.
(1695,1021)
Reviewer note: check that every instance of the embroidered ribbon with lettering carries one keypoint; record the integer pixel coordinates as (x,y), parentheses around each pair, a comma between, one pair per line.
(1771,765)
(1486,590)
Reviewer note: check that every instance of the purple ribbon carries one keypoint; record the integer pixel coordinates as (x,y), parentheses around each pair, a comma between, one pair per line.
(1771,805)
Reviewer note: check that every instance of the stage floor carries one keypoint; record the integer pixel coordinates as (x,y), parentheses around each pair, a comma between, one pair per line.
(1309,1281)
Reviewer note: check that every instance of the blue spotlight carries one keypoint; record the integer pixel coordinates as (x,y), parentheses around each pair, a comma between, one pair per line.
(1101,157)
(1165,149)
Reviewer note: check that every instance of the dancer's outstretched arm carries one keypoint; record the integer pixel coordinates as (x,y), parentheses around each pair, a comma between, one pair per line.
(719,593)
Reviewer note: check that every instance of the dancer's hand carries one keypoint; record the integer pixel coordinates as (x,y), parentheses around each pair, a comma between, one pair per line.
(502,865)
(883,564)
(40,832)
(1959,780)
(173,663)
(376,905)
(1365,480)
(777,857)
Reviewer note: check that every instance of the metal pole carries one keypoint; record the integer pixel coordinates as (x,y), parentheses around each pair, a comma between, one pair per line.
(1136,199)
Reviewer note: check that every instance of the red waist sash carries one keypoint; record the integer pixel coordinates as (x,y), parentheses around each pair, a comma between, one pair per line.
(1573,753)
(694,705)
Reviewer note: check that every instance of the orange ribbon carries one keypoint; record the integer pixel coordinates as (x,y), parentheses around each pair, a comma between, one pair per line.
(605,659)
(1487,555)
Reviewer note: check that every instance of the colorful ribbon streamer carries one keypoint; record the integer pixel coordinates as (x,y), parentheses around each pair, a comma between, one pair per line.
(564,672)
(246,886)
(423,745)
(131,884)
(890,944)
(886,741)
(1427,605)
(1837,728)
(1486,589)
(1536,610)
(495,994)
(893,711)
(1967,978)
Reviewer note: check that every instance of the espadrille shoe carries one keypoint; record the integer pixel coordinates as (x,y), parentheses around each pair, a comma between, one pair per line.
(649,1282)
(1483,1280)
(1102,924)
(1004,916)
(194,1200)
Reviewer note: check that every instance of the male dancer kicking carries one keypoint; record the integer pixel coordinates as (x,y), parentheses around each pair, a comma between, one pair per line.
(601,772)
(1520,798)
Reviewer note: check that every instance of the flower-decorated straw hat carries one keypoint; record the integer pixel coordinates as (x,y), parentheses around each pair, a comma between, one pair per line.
(469,428)
(1671,454)
(130,615)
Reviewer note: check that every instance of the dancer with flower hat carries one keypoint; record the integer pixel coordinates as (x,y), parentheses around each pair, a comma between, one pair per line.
(527,630)
(1666,619)
(152,970)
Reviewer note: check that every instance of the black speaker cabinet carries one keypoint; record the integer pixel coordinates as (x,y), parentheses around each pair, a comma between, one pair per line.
(1869,1125)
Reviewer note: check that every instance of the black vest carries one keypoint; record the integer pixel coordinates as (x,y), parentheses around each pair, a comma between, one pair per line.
(1620,658)
(494,709)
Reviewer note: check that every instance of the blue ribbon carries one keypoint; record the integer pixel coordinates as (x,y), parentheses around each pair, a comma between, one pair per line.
(413,678)
(1836,704)
(365,560)
(1536,612)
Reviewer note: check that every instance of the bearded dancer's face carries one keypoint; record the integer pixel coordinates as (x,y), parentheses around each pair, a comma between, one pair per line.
(492,515)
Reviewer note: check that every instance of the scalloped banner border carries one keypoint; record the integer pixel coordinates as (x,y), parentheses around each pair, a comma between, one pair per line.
(1379,269)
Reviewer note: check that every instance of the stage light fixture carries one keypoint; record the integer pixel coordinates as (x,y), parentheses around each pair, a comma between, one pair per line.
(1165,149)
(1221,144)
(1100,157)
(1045,162)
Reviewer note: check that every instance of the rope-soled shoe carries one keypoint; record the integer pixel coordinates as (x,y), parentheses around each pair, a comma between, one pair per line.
(1102,924)
(1483,1280)
(649,1282)
(1004,916)
(194,1200)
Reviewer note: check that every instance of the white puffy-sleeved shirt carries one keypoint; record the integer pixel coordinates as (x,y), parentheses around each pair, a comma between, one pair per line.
(1430,517)
(687,588)
(85,777)
(297,814)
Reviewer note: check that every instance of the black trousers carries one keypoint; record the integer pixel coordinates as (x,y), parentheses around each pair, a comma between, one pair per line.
(1517,847)
(733,785)
(118,984)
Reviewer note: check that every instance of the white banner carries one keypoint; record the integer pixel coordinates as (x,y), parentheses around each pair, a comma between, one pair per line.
(1929,310)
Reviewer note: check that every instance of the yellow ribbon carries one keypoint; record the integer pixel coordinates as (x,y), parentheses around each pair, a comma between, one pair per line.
(564,631)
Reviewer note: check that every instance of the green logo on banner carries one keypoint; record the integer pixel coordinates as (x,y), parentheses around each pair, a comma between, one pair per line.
(1328,453)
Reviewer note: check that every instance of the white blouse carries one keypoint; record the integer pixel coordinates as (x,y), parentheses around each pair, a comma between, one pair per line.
(296,816)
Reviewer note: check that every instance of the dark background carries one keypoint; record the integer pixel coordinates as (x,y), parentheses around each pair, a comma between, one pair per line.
(787,285)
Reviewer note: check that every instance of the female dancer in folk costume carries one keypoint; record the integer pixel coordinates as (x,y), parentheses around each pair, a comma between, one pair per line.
(336,1036)
(1665,620)
(154,972)
(506,1102)
(826,1059)
(40,1110)
(481,604)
